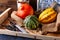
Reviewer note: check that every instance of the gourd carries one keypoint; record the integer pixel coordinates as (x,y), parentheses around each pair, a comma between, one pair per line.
(31,22)
(48,15)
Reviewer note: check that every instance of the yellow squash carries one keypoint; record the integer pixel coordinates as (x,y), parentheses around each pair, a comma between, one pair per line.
(47,16)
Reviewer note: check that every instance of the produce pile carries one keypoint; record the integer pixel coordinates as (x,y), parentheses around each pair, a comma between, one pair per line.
(44,21)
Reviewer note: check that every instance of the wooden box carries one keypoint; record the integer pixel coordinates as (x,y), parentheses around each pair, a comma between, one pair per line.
(49,36)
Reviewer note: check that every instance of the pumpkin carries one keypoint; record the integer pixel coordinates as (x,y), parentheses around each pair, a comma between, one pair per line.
(31,22)
(24,10)
(48,15)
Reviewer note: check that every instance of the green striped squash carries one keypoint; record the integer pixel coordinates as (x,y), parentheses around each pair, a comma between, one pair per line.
(31,22)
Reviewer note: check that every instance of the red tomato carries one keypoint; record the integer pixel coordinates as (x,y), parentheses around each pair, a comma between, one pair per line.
(24,10)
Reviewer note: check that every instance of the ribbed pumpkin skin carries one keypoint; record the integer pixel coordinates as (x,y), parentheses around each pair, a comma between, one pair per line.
(47,16)
(31,22)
